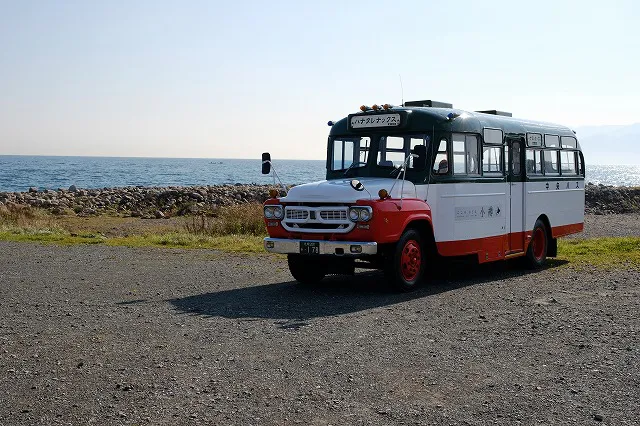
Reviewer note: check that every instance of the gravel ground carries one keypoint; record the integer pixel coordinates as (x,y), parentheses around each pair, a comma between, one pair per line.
(612,225)
(111,335)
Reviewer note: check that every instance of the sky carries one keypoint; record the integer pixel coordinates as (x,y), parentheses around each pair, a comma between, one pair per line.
(222,79)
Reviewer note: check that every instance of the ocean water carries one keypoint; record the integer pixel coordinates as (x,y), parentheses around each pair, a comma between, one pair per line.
(19,173)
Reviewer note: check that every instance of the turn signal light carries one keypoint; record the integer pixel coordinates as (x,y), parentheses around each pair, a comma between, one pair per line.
(383,194)
(273,193)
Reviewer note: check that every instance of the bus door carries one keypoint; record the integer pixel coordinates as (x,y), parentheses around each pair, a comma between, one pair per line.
(516,195)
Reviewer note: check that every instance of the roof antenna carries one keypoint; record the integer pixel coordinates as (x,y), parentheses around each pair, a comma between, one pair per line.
(401,89)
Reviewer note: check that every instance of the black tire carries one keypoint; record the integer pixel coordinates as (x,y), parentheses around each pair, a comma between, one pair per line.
(538,246)
(307,269)
(405,265)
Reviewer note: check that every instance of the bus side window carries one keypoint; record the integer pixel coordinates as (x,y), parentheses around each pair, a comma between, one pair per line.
(441,163)
(568,163)
(580,171)
(472,154)
(533,162)
(459,154)
(551,162)
(492,160)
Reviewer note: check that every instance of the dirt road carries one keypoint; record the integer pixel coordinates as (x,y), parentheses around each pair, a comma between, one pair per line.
(100,335)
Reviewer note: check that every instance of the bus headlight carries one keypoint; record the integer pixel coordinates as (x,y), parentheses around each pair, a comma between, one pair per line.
(365,215)
(360,214)
(271,212)
(278,212)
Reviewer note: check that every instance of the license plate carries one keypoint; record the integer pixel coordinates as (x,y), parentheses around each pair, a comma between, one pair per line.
(309,247)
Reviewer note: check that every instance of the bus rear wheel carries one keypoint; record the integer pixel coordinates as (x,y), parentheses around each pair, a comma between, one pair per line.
(307,269)
(406,264)
(538,246)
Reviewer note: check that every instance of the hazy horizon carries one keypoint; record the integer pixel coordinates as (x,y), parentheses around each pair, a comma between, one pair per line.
(231,80)
(237,158)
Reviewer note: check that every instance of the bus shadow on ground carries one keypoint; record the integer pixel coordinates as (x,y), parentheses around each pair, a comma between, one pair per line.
(337,295)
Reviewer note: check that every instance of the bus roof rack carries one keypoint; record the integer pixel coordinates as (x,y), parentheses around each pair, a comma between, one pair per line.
(496,112)
(428,103)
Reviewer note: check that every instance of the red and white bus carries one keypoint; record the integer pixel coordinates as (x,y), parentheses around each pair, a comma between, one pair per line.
(406,185)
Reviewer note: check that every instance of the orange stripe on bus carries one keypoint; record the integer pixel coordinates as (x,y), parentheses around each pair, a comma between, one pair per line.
(496,247)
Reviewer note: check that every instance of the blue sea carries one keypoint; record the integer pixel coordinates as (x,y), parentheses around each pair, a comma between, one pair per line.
(19,173)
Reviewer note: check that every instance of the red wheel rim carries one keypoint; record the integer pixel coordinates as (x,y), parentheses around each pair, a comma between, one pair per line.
(410,260)
(538,243)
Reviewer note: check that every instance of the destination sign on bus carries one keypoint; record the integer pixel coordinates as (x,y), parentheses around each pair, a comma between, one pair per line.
(377,120)
(534,139)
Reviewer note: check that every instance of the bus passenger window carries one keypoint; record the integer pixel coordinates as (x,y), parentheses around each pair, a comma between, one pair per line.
(568,163)
(472,154)
(534,162)
(459,154)
(492,160)
(568,142)
(551,141)
(441,163)
(551,162)
(580,170)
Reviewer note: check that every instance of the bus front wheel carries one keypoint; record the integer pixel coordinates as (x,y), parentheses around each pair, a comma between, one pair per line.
(538,246)
(406,263)
(307,269)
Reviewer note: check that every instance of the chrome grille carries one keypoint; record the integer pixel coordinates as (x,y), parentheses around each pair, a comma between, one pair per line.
(297,214)
(317,219)
(333,214)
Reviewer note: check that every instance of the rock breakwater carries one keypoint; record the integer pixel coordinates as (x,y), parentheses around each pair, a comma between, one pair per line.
(159,202)
(601,199)
(146,202)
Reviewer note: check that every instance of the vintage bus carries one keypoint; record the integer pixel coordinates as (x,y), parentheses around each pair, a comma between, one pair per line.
(406,186)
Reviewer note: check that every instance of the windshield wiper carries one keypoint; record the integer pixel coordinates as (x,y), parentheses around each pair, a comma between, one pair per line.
(356,164)
(395,170)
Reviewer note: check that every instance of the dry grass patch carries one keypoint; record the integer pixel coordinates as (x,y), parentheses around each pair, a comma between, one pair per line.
(242,219)
(234,228)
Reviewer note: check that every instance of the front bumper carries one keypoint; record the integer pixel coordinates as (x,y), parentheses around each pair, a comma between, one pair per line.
(338,248)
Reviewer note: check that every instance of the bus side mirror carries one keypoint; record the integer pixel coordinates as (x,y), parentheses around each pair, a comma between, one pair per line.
(420,163)
(266,163)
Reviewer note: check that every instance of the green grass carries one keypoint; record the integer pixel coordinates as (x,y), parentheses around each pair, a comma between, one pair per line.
(232,243)
(601,252)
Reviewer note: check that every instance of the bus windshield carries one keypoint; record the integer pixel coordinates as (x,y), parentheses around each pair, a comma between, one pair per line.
(394,150)
(350,152)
